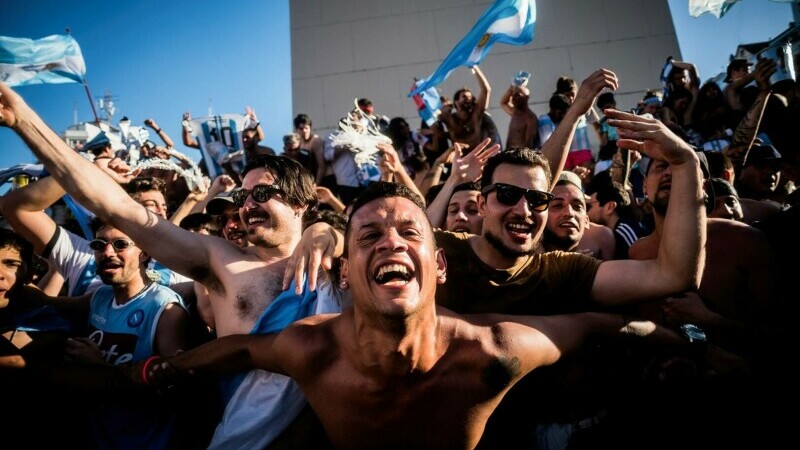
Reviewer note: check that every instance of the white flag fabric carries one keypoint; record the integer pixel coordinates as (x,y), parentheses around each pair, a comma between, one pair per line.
(220,139)
(715,7)
(51,60)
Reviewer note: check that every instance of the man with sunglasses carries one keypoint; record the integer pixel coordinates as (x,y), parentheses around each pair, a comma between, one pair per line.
(499,271)
(244,284)
(130,319)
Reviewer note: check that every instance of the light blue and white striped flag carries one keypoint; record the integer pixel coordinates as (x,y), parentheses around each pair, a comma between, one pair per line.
(51,60)
(506,21)
(715,7)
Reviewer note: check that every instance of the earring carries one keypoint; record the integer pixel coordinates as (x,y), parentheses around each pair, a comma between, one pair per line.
(343,284)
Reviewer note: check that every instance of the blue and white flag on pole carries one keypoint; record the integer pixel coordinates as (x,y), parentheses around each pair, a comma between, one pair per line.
(506,21)
(51,60)
(715,7)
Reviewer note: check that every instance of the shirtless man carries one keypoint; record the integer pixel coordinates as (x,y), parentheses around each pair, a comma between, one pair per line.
(465,115)
(523,129)
(395,370)
(314,144)
(242,283)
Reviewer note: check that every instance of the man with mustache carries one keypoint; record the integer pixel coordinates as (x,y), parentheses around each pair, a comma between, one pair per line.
(396,370)
(130,319)
(243,284)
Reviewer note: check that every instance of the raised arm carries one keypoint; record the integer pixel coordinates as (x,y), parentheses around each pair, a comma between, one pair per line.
(188,253)
(465,169)
(186,133)
(161,133)
(24,211)
(24,208)
(681,252)
(390,157)
(486,90)
(745,134)
(251,114)
(505,101)
(556,148)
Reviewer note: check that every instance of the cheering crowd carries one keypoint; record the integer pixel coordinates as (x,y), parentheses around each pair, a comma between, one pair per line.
(441,287)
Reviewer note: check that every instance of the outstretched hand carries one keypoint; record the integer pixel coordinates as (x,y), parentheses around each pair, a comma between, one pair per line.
(591,87)
(649,136)
(470,167)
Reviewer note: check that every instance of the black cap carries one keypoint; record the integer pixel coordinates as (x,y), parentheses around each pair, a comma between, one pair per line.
(762,153)
(216,206)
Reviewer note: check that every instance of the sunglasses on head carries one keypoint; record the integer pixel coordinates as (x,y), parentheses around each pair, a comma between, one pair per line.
(99,245)
(509,195)
(261,193)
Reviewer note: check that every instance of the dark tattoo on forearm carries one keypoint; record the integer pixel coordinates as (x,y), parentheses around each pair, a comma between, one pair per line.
(745,133)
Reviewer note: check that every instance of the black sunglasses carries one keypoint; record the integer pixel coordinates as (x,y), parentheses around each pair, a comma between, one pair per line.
(261,193)
(509,195)
(99,245)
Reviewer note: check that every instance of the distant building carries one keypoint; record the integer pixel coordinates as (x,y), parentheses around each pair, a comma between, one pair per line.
(348,49)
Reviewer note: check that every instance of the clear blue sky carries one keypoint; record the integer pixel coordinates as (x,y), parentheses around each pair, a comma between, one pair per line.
(161,58)
(708,42)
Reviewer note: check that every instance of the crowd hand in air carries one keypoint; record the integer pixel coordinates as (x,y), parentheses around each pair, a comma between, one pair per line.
(469,167)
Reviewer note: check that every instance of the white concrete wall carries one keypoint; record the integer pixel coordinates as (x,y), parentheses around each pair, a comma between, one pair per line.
(343,49)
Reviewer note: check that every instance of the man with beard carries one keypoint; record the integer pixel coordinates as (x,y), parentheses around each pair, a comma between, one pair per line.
(131,319)
(395,371)
(464,117)
(499,271)
(242,283)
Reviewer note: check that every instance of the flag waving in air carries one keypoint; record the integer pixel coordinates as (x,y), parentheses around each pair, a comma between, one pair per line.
(506,21)
(51,60)
(715,7)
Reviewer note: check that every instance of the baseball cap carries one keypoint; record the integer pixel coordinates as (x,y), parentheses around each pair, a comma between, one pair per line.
(100,140)
(568,176)
(216,206)
(762,153)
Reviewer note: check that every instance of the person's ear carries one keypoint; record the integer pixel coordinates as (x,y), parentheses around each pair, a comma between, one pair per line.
(610,207)
(441,267)
(344,270)
(481,205)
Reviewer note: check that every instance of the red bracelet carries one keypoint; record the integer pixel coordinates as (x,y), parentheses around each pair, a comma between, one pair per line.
(144,367)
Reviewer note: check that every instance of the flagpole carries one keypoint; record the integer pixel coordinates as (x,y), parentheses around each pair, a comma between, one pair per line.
(91,102)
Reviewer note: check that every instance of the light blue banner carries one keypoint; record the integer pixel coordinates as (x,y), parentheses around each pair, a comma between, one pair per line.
(51,60)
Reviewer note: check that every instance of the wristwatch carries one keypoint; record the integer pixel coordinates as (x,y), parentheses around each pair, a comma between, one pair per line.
(693,333)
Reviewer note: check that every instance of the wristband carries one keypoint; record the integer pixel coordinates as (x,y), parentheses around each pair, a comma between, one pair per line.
(146,365)
(157,131)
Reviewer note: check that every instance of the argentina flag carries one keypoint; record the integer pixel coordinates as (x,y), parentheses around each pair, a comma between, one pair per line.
(715,7)
(51,60)
(506,21)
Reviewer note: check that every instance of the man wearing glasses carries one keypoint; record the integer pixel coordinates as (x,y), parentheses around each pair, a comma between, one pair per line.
(244,284)
(130,319)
